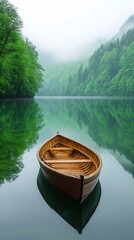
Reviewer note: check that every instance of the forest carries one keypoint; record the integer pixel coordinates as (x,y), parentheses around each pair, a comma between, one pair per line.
(108,72)
(21,75)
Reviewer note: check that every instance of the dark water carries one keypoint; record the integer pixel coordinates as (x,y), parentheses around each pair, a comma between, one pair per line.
(32,209)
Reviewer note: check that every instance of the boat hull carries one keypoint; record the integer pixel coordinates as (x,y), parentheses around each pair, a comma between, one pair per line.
(78,188)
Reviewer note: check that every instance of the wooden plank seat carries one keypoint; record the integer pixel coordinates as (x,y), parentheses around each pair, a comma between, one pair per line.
(69,161)
(61,149)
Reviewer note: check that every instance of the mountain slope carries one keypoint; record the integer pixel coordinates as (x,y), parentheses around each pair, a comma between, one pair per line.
(108,72)
(128,25)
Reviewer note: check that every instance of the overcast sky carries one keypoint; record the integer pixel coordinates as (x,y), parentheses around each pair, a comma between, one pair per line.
(65,26)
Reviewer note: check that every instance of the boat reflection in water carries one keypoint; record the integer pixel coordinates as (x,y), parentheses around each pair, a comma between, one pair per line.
(76,214)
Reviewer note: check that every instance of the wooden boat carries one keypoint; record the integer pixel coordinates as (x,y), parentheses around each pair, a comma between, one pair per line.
(70,166)
(75,214)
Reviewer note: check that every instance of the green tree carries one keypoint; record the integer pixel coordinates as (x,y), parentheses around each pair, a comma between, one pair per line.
(10,23)
(21,75)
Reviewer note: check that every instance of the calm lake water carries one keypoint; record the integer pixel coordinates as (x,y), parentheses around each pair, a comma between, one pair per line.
(29,207)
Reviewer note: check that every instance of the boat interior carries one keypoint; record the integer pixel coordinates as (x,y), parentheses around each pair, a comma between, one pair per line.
(68,160)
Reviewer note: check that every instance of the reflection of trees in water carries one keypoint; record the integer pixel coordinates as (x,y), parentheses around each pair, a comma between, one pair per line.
(20,122)
(110,123)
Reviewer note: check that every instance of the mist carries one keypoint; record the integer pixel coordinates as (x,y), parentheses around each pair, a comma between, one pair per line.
(64,29)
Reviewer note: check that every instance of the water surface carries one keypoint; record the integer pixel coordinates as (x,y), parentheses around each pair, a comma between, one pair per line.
(28,210)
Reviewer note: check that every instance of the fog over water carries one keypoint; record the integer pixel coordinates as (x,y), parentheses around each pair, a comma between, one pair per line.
(65,28)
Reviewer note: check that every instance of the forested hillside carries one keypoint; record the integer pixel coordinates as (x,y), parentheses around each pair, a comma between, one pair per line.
(20,72)
(128,25)
(108,72)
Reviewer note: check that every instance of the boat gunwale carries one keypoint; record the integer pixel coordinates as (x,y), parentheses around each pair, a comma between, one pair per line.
(64,174)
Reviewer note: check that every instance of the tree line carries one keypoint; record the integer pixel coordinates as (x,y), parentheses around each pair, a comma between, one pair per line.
(21,75)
